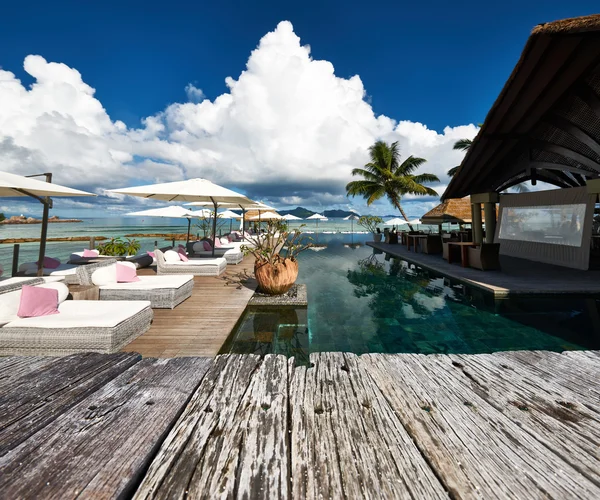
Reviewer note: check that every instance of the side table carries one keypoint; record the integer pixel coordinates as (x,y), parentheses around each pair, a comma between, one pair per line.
(84,292)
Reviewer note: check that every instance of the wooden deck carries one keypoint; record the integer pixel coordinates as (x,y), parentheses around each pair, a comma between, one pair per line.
(504,425)
(517,276)
(200,325)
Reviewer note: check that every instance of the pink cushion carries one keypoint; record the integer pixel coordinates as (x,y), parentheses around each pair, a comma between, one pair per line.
(207,246)
(217,243)
(37,301)
(50,263)
(229,239)
(90,253)
(126,274)
(152,254)
(182,255)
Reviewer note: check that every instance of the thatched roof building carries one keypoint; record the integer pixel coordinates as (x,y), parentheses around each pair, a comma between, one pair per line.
(545,124)
(455,210)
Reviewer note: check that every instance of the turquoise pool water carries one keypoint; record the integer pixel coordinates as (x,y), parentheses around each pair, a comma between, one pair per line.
(361,301)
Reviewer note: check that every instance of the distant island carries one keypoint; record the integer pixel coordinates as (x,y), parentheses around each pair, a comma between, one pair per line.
(21,219)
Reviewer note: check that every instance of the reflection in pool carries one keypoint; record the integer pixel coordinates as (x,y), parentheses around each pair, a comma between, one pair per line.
(361,301)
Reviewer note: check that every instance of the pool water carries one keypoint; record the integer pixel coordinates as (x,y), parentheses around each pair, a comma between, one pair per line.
(362,301)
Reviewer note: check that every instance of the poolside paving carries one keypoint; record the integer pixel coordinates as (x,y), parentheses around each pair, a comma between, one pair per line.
(504,425)
(516,276)
(200,325)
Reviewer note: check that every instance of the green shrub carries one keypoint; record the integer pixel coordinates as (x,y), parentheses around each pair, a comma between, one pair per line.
(116,247)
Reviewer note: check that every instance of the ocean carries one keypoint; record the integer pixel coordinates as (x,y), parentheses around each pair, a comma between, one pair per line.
(120,226)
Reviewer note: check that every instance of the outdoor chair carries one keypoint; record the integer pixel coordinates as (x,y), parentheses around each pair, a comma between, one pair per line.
(79,326)
(485,257)
(432,244)
(446,249)
(197,267)
(163,292)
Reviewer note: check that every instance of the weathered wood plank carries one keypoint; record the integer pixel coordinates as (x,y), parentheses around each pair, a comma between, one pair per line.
(101,447)
(14,367)
(39,397)
(574,375)
(475,449)
(551,414)
(346,440)
(232,438)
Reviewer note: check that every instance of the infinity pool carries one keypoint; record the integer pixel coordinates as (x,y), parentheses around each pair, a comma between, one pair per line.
(361,301)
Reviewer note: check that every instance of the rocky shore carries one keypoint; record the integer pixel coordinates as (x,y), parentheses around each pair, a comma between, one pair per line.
(37,240)
(21,219)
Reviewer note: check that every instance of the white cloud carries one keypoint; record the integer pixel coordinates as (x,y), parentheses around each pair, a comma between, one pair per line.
(288,130)
(194,93)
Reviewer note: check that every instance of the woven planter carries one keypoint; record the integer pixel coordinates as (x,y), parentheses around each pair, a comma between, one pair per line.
(276,278)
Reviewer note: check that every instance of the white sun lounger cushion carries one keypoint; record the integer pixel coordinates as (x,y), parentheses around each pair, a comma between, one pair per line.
(152,283)
(85,313)
(199,262)
(61,270)
(172,257)
(10,301)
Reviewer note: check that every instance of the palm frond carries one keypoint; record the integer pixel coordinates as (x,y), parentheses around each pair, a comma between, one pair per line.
(452,171)
(463,144)
(423,178)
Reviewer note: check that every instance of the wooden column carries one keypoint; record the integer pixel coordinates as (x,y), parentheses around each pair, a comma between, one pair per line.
(489,215)
(477,227)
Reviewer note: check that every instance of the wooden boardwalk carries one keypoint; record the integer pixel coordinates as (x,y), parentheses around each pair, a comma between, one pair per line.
(504,425)
(517,276)
(200,325)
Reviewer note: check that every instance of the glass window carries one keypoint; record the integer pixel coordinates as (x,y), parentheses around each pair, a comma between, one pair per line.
(551,224)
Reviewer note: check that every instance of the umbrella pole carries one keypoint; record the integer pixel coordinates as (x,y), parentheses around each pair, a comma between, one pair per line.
(214,226)
(47,202)
(189,226)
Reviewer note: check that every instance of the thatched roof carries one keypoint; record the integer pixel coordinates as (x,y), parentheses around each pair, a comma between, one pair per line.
(545,124)
(456,210)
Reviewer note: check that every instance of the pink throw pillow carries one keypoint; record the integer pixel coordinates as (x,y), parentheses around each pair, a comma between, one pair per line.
(229,239)
(152,254)
(207,246)
(50,263)
(126,274)
(90,253)
(217,243)
(37,301)
(182,254)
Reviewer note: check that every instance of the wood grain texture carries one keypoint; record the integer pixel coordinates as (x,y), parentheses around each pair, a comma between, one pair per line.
(232,439)
(36,399)
(101,446)
(346,440)
(200,325)
(476,449)
(14,367)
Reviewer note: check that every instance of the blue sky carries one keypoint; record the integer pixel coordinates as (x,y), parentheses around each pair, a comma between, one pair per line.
(440,64)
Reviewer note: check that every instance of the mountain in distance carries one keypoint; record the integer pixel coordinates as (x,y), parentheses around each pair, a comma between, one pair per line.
(304,213)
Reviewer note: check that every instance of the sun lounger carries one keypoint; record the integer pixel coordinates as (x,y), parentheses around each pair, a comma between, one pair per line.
(163,292)
(68,272)
(197,267)
(80,326)
(231,255)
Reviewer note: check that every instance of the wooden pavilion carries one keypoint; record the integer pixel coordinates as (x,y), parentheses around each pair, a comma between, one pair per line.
(544,126)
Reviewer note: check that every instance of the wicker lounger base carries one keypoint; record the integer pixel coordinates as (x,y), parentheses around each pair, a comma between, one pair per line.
(211,270)
(61,342)
(160,298)
(231,258)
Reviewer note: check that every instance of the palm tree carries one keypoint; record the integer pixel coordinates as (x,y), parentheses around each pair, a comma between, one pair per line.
(460,145)
(385,176)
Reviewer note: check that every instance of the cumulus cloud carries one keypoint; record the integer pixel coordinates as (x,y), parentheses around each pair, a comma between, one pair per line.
(288,131)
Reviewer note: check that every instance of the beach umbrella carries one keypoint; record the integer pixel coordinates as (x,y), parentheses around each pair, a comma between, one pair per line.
(13,185)
(291,217)
(352,217)
(268,216)
(251,205)
(228,214)
(191,190)
(317,217)
(172,212)
(396,222)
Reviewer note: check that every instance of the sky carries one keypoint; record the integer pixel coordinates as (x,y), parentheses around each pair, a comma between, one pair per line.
(277,100)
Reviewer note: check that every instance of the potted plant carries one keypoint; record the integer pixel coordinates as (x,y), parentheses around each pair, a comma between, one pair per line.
(276,272)
(116,247)
(370,223)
